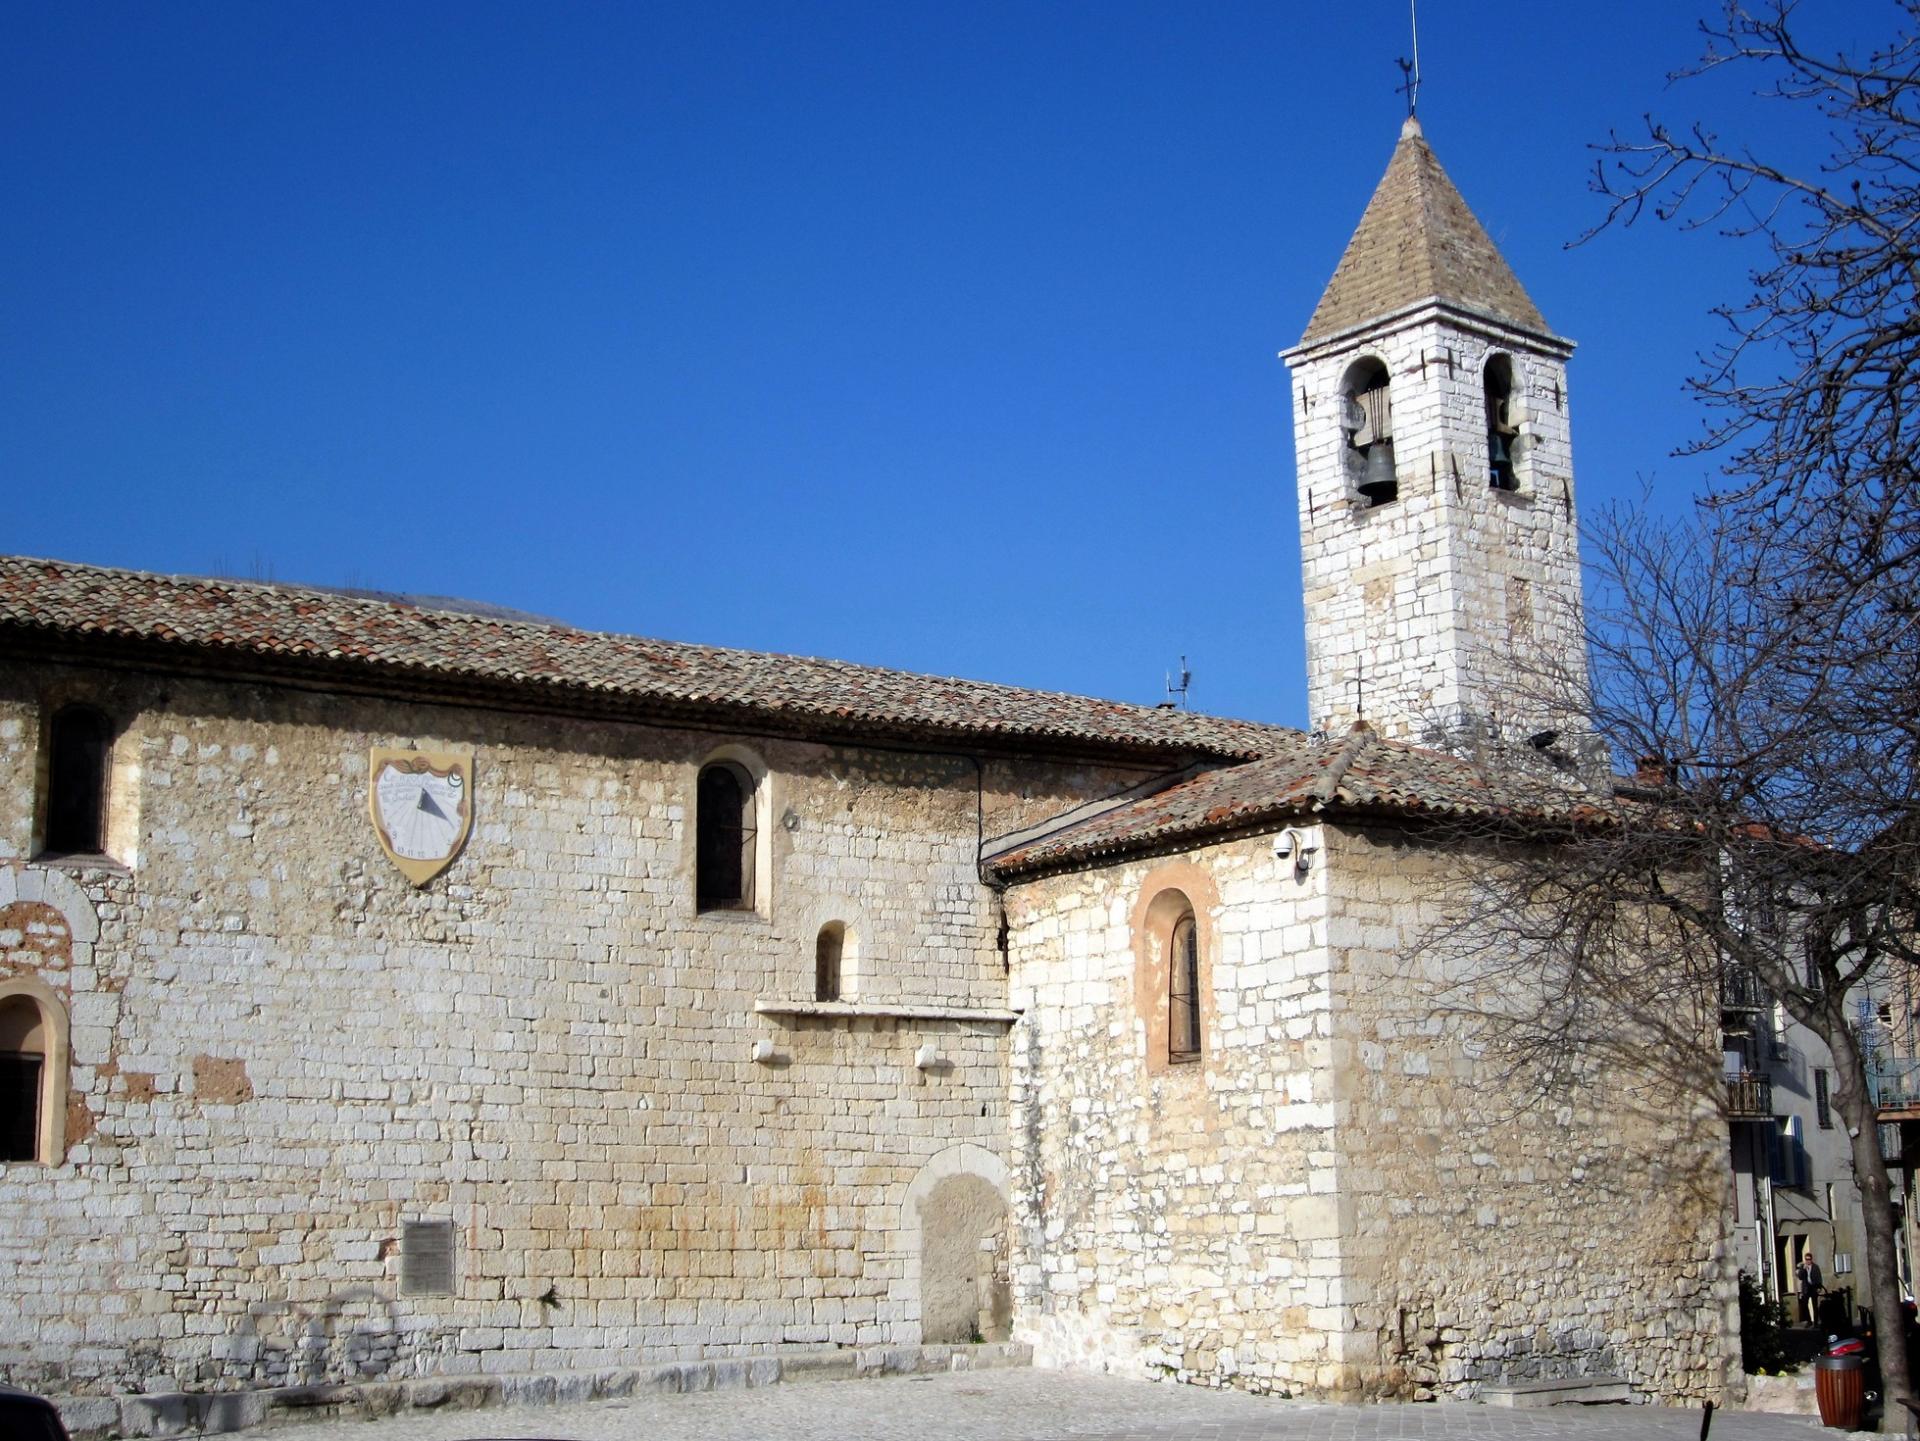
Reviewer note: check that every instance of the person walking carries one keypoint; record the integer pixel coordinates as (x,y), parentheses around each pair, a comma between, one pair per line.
(1808,1274)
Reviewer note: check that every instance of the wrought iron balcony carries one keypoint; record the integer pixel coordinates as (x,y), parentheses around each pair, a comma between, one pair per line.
(1750,1096)
(1895,1081)
(1740,990)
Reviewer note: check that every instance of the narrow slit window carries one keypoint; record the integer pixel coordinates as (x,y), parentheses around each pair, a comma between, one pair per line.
(1183,991)
(724,838)
(828,950)
(79,752)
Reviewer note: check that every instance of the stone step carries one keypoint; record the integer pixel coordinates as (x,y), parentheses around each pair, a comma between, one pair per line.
(185,1413)
(1561,1391)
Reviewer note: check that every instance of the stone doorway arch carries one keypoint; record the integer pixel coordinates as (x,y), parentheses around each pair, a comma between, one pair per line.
(954,1223)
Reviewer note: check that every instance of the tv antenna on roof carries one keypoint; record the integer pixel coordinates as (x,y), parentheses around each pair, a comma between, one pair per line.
(1409,85)
(1177,694)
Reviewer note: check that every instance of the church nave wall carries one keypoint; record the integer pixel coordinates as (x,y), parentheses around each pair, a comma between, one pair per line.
(283,1051)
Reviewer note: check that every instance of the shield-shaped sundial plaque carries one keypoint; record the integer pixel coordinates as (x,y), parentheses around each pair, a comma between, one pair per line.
(422,807)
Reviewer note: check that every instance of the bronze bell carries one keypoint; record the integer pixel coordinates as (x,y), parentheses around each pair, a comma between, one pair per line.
(1501,456)
(1377,482)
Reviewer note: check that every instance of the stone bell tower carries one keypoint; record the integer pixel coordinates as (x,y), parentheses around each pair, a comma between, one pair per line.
(1435,475)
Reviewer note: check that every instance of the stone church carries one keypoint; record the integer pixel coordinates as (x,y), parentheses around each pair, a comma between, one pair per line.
(393,992)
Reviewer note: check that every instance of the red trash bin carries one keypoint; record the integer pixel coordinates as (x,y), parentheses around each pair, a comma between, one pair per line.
(1840,1384)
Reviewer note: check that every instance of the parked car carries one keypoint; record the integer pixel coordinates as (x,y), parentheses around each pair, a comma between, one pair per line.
(27,1417)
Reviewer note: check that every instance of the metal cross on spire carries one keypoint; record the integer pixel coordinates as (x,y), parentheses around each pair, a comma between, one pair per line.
(1409,85)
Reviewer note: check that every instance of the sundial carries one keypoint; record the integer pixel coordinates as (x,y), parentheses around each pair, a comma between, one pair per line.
(422,807)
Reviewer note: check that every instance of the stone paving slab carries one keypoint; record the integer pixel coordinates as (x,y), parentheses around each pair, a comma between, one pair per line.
(1041,1406)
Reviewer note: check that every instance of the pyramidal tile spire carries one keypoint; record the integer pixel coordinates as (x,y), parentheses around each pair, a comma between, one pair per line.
(1418,241)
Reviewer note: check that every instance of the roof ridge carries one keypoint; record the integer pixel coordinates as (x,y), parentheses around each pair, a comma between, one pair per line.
(1328,785)
(1364,774)
(1425,164)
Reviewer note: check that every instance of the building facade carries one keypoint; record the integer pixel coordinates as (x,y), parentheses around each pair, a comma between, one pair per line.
(390,991)
(1795,1197)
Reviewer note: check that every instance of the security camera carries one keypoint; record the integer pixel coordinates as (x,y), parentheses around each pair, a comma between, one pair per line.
(1295,845)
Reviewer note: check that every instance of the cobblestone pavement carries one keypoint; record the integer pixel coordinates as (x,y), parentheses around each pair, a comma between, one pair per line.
(1024,1405)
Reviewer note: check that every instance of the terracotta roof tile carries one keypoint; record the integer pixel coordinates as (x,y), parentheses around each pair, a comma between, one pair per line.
(1416,241)
(1359,773)
(385,641)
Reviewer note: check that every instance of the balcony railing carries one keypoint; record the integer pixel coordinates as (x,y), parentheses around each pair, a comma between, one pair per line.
(1750,1096)
(1740,990)
(1895,1082)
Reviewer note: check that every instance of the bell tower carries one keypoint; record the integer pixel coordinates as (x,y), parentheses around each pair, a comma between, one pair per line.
(1435,475)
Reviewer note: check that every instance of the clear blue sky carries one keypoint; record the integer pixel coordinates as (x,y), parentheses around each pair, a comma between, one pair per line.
(931,336)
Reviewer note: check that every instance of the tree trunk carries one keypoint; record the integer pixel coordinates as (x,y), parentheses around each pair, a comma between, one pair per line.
(1853,1099)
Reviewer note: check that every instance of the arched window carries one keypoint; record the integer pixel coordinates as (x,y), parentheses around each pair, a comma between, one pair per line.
(1502,429)
(79,753)
(1366,421)
(724,836)
(828,951)
(25,1041)
(1183,990)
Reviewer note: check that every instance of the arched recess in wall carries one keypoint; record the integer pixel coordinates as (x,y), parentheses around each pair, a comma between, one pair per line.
(733,831)
(1174,940)
(835,962)
(954,1231)
(838,958)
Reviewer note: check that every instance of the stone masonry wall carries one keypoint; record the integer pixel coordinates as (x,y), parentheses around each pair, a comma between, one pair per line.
(1498,1234)
(1345,1195)
(1416,610)
(1178,1219)
(282,1050)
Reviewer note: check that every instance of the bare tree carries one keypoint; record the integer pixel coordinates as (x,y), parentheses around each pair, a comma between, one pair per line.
(1751,819)
(1759,668)
(1813,389)
(1754,672)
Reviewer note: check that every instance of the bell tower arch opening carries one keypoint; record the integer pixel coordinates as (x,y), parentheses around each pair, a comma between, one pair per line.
(1503,431)
(1366,422)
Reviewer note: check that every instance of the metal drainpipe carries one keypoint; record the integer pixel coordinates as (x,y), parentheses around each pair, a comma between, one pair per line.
(1768,1242)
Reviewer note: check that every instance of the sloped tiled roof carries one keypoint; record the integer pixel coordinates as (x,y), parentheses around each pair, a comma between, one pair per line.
(1416,241)
(1358,773)
(390,643)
